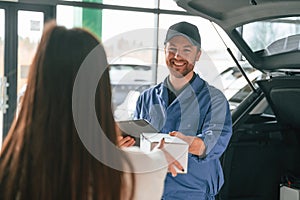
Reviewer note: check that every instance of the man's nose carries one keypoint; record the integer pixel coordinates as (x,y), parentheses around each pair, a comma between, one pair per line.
(177,54)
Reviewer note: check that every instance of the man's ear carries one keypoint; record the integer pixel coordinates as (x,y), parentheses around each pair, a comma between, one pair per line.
(198,55)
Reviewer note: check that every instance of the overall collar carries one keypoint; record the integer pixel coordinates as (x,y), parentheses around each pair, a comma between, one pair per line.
(192,88)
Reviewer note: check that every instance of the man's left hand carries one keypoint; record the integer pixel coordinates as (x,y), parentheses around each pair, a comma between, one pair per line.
(196,145)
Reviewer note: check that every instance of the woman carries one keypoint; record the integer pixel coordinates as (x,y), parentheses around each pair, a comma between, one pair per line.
(43,156)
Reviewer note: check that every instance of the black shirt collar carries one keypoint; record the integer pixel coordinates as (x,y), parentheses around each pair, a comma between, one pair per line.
(172,93)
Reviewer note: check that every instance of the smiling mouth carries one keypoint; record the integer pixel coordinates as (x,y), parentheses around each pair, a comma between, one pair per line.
(178,63)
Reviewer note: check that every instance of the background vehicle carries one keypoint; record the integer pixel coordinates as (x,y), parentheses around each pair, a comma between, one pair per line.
(127,82)
(264,150)
(236,88)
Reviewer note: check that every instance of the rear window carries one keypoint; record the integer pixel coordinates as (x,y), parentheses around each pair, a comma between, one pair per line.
(274,36)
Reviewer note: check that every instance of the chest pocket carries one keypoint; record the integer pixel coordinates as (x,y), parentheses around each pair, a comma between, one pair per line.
(190,123)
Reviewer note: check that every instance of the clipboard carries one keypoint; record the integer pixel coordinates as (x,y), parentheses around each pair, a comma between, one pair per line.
(134,128)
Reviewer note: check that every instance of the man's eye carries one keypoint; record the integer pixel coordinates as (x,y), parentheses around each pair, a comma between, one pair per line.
(172,49)
(187,50)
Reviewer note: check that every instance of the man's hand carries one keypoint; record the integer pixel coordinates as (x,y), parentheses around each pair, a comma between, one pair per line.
(126,141)
(196,145)
(172,163)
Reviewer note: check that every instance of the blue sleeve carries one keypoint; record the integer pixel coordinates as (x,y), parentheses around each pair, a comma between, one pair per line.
(137,112)
(217,127)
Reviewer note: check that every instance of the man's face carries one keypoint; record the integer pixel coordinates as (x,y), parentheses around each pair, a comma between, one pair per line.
(181,56)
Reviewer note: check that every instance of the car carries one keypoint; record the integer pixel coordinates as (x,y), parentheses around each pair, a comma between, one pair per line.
(263,156)
(127,82)
(235,86)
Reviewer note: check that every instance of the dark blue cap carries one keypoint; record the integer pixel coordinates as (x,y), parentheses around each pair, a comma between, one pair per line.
(185,29)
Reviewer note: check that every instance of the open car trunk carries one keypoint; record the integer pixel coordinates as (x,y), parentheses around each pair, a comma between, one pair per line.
(261,155)
(264,151)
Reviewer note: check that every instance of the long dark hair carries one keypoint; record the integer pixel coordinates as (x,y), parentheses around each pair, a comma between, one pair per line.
(42,156)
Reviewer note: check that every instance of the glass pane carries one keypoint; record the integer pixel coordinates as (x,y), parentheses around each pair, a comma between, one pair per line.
(88,18)
(30,28)
(274,35)
(128,36)
(169,5)
(132,3)
(2,101)
(129,40)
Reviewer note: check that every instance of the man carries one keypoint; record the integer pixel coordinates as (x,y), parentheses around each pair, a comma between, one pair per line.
(186,106)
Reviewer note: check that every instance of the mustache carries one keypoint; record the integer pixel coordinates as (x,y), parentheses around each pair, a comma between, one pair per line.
(178,60)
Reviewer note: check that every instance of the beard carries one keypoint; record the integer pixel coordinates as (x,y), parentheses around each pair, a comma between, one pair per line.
(179,71)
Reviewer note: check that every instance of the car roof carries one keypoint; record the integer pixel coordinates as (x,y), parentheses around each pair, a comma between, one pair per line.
(231,14)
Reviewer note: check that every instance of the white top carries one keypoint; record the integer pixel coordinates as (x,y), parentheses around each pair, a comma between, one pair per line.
(150,172)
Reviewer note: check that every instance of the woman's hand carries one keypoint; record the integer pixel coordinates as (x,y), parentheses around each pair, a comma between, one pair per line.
(172,163)
(123,141)
(126,141)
